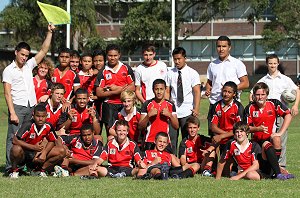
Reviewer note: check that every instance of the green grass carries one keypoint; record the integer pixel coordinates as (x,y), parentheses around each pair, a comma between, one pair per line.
(197,186)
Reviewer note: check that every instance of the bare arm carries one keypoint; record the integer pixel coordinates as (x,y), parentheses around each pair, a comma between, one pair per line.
(183,160)
(143,122)
(196,101)
(286,122)
(7,93)
(45,46)
(23,144)
(244,83)
(208,87)
(139,94)
(294,109)
(167,93)
(81,162)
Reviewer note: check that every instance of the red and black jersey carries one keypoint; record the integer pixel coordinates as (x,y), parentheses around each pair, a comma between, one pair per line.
(79,150)
(87,81)
(121,77)
(244,158)
(121,155)
(192,148)
(150,156)
(267,116)
(31,135)
(69,80)
(42,88)
(158,123)
(225,119)
(78,120)
(133,121)
(52,113)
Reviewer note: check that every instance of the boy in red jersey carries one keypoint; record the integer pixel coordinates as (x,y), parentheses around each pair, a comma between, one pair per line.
(28,148)
(244,153)
(119,153)
(82,151)
(156,114)
(161,164)
(261,115)
(80,114)
(64,75)
(111,81)
(130,114)
(86,74)
(191,149)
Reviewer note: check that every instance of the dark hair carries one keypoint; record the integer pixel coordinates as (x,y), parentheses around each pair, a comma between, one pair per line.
(22,45)
(192,120)
(121,123)
(241,126)
(163,134)
(88,54)
(232,85)
(113,47)
(158,81)
(261,85)
(224,38)
(81,91)
(99,52)
(179,50)
(57,86)
(148,48)
(64,50)
(272,56)
(39,108)
(86,127)
(74,53)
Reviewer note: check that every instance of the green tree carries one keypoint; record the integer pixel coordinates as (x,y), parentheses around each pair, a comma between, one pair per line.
(284,25)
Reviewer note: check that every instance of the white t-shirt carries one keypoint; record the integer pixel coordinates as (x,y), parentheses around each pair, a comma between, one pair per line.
(145,75)
(21,81)
(190,78)
(277,85)
(219,73)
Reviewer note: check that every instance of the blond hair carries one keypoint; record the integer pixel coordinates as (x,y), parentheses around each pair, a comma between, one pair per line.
(127,94)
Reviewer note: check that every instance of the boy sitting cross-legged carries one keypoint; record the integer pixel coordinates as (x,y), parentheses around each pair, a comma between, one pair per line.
(30,148)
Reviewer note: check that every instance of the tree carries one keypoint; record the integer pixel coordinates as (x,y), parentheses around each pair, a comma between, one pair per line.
(28,23)
(284,25)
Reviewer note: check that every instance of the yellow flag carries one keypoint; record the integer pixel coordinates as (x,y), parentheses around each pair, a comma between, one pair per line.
(54,14)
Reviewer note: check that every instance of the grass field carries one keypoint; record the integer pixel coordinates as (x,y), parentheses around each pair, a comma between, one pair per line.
(198,186)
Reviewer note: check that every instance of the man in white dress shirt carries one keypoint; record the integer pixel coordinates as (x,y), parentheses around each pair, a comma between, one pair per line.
(19,89)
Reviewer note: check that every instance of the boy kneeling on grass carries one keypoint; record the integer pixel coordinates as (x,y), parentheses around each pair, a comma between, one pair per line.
(30,148)
(161,164)
(83,150)
(119,152)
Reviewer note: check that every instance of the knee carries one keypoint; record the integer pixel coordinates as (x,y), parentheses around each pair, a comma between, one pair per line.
(61,152)
(276,141)
(253,175)
(16,151)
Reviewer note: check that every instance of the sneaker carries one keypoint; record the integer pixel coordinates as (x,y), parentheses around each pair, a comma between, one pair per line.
(14,175)
(119,175)
(165,171)
(42,174)
(147,176)
(206,173)
(60,172)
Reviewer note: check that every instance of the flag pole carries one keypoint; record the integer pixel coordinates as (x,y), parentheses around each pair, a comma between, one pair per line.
(68,25)
(172,30)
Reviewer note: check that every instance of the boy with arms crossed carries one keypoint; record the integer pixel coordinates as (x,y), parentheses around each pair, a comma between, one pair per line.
(28,148)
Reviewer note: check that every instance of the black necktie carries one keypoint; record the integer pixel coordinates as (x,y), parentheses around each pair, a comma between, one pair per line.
(179,89)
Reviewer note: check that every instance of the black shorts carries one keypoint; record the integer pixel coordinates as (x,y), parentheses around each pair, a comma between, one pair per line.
(119,169)
(110,113)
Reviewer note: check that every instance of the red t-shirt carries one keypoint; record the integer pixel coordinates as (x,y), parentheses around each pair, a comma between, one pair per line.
(266,116)
(69,80)
(192,149)
(121,77)
(41,89)
(158,123)
(226,119)
(245,158)
(150,156)
(87,81)
(121,156)
(29,133)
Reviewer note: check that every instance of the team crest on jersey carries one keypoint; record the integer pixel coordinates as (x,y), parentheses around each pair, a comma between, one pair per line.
(78,145)
(108,76)
(162,71)
(112,151)
(270,112)
(48,114)
(53,79)
(255,114)
(68,82)
(190,150)
(219,113)
(32,136)
(237,152)
(124,74)
(154,155)
(74,119)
